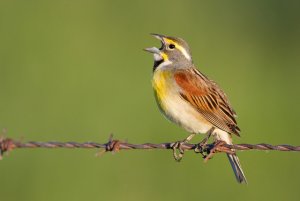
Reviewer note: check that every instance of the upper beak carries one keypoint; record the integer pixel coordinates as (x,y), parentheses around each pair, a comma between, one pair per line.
(155,50)
(158,36)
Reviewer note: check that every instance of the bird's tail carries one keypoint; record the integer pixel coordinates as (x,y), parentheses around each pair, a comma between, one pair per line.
(237,169)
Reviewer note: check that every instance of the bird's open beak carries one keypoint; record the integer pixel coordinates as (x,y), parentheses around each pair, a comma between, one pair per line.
(155,50)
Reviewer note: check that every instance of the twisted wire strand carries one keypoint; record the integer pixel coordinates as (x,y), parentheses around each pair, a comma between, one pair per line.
(167,145)
(7,144)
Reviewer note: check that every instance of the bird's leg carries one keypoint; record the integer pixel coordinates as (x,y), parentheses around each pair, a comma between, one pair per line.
(201,146)
(178,145)
(208,134)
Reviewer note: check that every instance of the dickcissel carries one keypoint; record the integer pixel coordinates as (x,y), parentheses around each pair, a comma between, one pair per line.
(190,99)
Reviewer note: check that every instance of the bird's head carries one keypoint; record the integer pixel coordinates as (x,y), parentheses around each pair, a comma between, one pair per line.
(173,51)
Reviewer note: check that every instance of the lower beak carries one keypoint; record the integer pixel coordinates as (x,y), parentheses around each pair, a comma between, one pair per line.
(153,50)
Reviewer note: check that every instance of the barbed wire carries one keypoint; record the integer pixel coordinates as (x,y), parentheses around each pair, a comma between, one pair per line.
(207,150)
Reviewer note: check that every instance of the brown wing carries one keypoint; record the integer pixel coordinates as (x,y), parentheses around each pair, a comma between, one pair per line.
(207,98)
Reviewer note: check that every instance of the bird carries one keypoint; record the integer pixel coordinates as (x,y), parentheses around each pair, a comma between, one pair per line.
(190,99)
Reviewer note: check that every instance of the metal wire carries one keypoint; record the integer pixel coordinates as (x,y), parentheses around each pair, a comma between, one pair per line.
(7,144)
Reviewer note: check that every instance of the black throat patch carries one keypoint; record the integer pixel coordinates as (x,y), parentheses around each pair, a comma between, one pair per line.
(157,63)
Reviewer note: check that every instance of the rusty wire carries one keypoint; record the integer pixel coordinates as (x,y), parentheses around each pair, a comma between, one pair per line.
(7,144)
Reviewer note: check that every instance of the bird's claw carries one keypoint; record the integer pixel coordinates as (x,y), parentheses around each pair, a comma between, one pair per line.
(178,146)
(203,147)
(208,150)
(217,146)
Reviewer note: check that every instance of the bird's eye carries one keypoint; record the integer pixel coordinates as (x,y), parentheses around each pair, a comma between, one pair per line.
(171,46)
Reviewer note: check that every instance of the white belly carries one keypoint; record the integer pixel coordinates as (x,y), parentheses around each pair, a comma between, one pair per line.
(182,113)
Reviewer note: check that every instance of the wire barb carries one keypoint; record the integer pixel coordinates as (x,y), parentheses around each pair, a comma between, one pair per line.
(6,144)
(207,150)
(112,145)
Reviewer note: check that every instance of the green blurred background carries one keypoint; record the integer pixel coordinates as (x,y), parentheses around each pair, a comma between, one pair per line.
(75,71)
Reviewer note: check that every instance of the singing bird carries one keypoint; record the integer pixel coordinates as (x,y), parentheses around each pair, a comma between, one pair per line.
(190,99)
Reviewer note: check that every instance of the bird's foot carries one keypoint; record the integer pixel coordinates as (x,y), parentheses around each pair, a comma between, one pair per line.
(217,146)
(179,145)
(203,148)
(178,155)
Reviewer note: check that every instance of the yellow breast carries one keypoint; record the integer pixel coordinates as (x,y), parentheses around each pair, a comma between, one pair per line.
(161,83)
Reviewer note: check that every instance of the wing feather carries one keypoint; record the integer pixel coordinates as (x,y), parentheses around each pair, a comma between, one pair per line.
(209,100)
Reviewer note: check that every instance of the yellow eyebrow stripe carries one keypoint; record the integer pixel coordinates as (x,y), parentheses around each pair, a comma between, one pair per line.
(173,42)
(181,49)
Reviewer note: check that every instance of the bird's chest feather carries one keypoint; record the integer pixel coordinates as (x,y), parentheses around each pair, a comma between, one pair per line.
(173,106)
(161,84)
